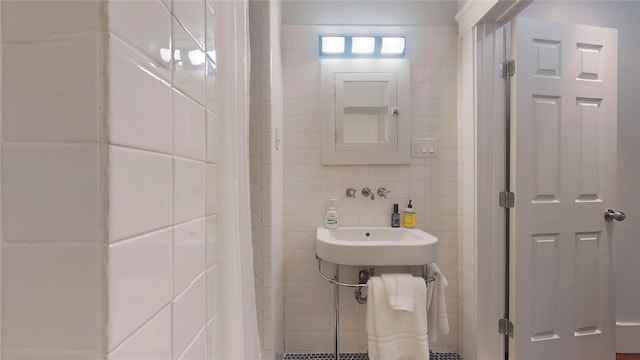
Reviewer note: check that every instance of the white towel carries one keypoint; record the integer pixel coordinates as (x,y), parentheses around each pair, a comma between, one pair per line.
(400,290)
(436,303)
(396,334)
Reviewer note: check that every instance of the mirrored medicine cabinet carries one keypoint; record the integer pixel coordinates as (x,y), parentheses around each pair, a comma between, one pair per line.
(366,117)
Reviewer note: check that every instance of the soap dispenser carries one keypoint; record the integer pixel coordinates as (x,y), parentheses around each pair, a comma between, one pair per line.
(331,217)
(409,217)
(395,217)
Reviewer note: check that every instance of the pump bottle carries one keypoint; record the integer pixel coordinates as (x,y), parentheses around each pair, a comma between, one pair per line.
(331,217)
(409,217)
(395,217)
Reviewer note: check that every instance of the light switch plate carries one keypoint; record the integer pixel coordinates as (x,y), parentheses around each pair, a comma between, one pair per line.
(424,147)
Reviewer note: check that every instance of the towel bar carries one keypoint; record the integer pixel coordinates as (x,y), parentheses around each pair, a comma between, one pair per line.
(363,282)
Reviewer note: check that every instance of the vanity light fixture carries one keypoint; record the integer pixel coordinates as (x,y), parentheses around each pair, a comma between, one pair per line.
(362,46)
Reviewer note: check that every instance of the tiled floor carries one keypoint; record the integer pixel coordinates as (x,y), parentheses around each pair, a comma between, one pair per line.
(433,356)
(363,356)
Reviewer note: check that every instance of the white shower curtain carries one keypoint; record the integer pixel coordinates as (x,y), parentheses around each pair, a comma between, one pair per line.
(237,329)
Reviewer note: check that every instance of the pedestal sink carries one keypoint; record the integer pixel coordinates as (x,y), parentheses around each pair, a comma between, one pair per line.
(376,246)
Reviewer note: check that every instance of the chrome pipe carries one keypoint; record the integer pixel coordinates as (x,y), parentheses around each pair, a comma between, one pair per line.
(357,293)
(334,281)
(336,308)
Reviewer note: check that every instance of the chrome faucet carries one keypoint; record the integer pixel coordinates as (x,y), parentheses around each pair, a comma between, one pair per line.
(383,192)
(351,192)
(366,192)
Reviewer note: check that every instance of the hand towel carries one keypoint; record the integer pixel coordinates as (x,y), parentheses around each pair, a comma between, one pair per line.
(396,334)
(400,290)
(436,303)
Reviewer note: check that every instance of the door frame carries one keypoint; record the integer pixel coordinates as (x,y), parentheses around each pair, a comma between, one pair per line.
(481,108)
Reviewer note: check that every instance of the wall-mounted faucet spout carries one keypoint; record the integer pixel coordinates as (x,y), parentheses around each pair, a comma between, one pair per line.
(366,192)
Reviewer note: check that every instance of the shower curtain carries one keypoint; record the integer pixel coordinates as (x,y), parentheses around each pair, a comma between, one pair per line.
(236,335)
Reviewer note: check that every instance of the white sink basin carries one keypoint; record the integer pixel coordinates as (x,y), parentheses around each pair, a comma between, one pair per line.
(376,246)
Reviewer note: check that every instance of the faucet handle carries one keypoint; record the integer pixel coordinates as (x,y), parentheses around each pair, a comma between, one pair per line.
(366,192)
(383,192)
(351,192)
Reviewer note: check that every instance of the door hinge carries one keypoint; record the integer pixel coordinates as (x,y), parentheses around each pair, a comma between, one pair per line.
(507,199)
(508,69)
(505,327)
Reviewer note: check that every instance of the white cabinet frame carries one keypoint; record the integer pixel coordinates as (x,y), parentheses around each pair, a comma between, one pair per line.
(396,73)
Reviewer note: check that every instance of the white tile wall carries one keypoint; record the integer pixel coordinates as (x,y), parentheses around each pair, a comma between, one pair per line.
(142,122)
(38,179)
(188,189)
(188,253)
(430,183)
(124,23)
(49,354)
(188,128)
(189,65)
(197,350)
(213,279)
(51,298)
(212,338)
(43,102)
(47,21)
(191,14)
(109,152)
(266,175)
(163,203)
(140,183)
(256,162)
(52,196)
(153,341)
(210,28)
(213,140)
(211,184)
(210,72)
(139,273)
(189,315)
(211,241)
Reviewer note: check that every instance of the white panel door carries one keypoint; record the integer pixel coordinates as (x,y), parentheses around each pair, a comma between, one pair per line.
(564,108)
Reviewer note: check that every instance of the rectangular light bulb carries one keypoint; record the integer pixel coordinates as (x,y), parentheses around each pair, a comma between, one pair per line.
(332,45)
(363,45)
(392,45)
